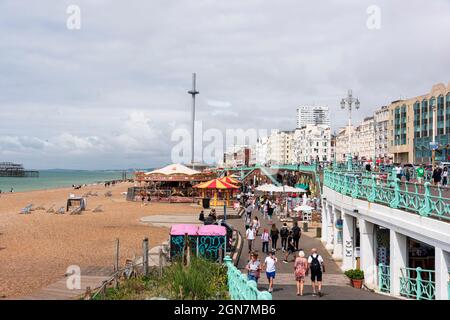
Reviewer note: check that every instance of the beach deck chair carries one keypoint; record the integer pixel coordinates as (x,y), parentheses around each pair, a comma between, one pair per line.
(76,210)
(61,210)
(41,207)
(27,209)
(98,209)
(51,210)
(108,194)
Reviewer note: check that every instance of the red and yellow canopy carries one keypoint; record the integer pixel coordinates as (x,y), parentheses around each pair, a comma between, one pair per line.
(230,180)
(216,184)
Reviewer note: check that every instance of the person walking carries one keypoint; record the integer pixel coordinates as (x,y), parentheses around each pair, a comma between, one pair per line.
(270,267)
(284,233)
(420,173)
(266,209)
(274,232)
(256,225)
(271,209)
(398,172)
(250,235)
(407,173)
(300,271)
(265,239)
(437,176)
(254,268)
(290,247)
(317,267)
(445,177)
(248,222)
(296,234)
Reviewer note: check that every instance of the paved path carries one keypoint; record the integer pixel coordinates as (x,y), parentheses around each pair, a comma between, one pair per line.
(335,283)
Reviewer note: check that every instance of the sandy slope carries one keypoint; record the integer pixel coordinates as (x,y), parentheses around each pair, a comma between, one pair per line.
(36,249)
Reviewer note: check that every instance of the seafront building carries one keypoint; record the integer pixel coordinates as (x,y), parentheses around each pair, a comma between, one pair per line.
(313,115)
(414,121)
(280,148)
(365,140)
(312,143)
(381,117)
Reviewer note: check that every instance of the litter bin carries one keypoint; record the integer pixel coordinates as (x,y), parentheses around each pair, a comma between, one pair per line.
(205,202)
(305,226)
(319,232)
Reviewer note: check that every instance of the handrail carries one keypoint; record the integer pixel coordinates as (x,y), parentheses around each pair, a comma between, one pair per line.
(240,288)
(421,199)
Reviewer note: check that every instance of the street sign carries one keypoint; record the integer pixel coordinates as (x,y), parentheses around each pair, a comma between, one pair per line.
(434,145)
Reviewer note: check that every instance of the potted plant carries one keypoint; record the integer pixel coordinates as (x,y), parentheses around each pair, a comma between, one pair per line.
(356,277)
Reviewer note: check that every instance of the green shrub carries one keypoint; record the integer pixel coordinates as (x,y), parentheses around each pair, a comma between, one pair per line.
(355,274)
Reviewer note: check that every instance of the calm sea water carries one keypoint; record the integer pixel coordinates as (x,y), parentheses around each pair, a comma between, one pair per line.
(56,179)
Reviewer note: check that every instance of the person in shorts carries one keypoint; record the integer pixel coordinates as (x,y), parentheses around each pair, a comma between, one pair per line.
(254,268)
(317,267)
(270,268)
(290,246)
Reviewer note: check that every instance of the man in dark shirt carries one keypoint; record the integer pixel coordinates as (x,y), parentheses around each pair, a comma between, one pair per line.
(290,246)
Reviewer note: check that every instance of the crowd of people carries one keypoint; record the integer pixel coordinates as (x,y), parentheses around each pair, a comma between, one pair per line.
(263,208)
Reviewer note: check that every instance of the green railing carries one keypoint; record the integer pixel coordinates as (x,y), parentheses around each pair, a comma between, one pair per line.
(384,278)
(390,192)
(240,288)
(417,283)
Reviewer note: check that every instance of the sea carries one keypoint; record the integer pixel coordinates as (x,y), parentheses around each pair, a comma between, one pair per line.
(51,179)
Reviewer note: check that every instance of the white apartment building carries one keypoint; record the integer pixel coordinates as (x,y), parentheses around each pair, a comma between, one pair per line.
(381,134)
(280,148)
(342,144)
(365,140)
(312,143)
(261,150)
(314,115)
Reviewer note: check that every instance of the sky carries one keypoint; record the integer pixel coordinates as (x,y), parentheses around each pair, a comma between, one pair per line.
(111,94)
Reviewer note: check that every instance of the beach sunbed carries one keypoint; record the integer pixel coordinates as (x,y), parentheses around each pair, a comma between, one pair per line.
(61,210)
(27,209)
(98,209)
(76,210)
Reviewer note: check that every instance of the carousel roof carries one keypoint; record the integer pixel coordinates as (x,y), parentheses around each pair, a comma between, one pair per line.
(174,169)
(216,184)
(231,180)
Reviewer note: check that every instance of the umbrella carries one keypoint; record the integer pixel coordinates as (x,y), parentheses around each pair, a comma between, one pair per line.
(292,189)
(269,188)
(230,180)
(216,184)
(303,208)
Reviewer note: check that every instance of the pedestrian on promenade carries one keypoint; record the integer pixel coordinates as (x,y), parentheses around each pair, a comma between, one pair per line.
(250,235)
(201,216)
(420,172)
(271,209)
(254,267)
(274,232)
(284,233)
(290,247)
(300,271)
(317,267)
(256,225)
(265,238)
(445,177)
(437,176)
(407,173)
(248,222)
(398,171)
(265,209)
(296,234)
(270,267)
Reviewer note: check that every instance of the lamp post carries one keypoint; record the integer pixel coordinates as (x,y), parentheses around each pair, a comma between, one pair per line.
(433,149)
(348,102)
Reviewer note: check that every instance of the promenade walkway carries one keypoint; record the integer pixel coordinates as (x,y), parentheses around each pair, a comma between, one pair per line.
(335,283)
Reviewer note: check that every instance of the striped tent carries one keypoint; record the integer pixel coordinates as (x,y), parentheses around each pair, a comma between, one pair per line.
(216,184)
(230,180)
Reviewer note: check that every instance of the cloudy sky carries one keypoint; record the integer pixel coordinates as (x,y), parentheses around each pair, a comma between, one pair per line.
(111,94)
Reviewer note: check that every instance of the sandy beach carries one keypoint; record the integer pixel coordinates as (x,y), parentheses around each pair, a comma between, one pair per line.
(36,249)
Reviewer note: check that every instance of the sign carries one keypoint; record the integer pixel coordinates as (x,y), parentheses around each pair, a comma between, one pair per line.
(434,145)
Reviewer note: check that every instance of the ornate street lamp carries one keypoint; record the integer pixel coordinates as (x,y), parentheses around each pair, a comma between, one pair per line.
(348,102)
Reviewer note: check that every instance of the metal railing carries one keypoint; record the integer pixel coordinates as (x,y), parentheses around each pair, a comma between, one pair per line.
(417,283)
(240,288)
(417,198)
(384,278)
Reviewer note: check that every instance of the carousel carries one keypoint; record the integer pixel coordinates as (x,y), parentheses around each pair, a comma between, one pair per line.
(219,190)
(173,183)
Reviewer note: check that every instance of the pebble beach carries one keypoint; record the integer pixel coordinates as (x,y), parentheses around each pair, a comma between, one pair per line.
(36,249)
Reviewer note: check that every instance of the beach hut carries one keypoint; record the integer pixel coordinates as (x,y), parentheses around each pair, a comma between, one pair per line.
(211,240)
(178,233)
(216,186)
